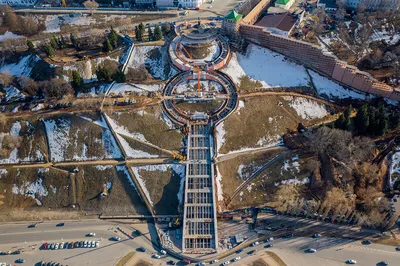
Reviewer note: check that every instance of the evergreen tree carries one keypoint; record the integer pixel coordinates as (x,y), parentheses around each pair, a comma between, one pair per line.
(113,36)
(31,46)
(340,122)
(73,40)
(157,33)
(54,42)
(119,76)
(77,81)
(394,120)
(382,127)
(107,47)
(166,28)
(362,119)
(150,34)
(373,121)
(347,117)
(49,50)
(103,74)
(137,33)
(141,31)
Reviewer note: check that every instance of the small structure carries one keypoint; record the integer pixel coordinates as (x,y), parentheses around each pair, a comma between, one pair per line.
(329,5)
(279,23)
(239,238)
(231,22)
(285,4)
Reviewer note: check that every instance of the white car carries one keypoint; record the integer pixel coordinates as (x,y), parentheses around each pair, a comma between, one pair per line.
(92,234)
(163,252)
(85,244)
(317,236)
(61,245)
(97,244)
(254,244)
(271,238)
(311,250)
(226,262)
(93,244)
(351,262)
(213,261)
(56,246)
(236,259)
(156,256)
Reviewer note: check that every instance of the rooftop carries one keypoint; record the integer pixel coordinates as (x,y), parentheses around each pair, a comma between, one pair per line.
(282,21)
(282,2)
(233,15)
(328,3)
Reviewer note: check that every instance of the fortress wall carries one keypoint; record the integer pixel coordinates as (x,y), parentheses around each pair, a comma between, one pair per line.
(314,58)
(254,14)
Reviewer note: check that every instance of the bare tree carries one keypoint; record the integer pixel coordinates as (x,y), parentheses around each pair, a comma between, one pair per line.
(28,85)
(91,5)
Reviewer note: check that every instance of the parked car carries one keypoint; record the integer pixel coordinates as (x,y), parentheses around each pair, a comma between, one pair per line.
(251,252)
(213,261)
(367,242)
(20,261)
(240,250)
(311,250)
(32,225)
(268,246)
(316,235)
(171,262)
(200,264)
(60,224)
(226,262)
(115,238)
(237,258)
(254,244)
(351,262)
(156,256)
(163,252)
(97,244)
(142,249)
(397,248)
(91,234)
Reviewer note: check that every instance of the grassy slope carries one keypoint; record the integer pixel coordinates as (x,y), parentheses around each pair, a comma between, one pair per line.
(151,126)
(163,188)
(31,139)
(261,117)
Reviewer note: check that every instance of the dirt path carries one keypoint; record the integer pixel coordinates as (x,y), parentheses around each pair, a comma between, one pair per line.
(254,175)
(227,157)
(284,93)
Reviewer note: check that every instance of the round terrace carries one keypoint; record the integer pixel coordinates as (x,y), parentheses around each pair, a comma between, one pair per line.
(199,47)
(217,97)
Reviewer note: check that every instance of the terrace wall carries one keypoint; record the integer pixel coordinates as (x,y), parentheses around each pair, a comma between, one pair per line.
(314,58)
(255,13)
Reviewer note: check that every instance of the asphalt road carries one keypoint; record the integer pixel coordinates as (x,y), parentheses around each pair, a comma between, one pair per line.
(20,237)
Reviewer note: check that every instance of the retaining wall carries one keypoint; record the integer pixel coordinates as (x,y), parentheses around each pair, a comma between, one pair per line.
(314,58)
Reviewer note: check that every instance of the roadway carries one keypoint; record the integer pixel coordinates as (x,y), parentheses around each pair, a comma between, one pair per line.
(18,236)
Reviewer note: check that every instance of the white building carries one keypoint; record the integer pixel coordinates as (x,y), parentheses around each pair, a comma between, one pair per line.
(18,2)
(171,3)
(374,4)
(190,3)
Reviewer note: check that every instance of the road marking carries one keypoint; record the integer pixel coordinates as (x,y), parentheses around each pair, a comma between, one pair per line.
(370,249)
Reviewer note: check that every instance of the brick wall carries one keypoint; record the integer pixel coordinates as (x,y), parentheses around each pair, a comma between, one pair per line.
(314,58)
(255,13)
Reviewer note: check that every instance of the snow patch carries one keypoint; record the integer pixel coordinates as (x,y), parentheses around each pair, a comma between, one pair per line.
(269,68)
(306,108)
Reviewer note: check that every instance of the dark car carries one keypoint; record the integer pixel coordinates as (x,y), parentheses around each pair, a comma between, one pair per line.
(240,250)
(142,249)
(367,242)
(268,246)
(171,262)
(32,225)
(60,224)
(252,251)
